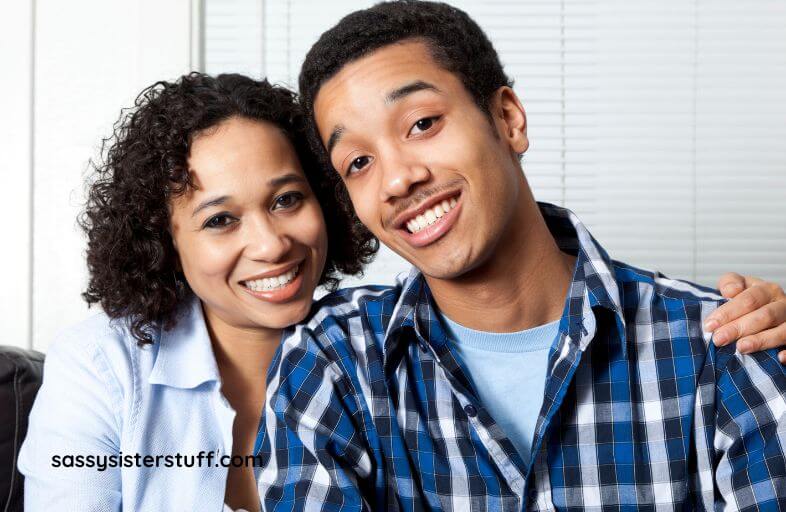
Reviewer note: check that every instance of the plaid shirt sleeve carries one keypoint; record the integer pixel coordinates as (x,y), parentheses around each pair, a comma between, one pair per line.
(750,431)
(314,456)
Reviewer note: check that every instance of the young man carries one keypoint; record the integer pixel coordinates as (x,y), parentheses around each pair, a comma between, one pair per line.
(518,367)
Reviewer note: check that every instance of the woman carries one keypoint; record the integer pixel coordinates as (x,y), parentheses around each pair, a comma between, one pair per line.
(208,233)
(205,239)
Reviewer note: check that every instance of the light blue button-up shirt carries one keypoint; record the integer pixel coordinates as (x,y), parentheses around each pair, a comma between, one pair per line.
(103,395)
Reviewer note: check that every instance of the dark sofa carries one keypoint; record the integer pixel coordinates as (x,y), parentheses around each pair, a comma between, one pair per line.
(20,378)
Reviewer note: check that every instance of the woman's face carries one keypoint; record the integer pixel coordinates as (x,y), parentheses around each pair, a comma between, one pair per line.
(251,237)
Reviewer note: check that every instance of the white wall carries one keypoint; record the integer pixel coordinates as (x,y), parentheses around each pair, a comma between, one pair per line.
(90,58)
(16,50)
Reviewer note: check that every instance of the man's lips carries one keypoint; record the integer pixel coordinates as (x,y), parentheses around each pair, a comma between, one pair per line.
(436,230)
(401,220)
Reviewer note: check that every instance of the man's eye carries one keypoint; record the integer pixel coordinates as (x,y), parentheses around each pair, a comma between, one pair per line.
(218,221)
(358,164)
(422,125)
(288,200)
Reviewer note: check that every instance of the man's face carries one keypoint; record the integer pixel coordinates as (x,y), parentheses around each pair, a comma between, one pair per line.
(427,171)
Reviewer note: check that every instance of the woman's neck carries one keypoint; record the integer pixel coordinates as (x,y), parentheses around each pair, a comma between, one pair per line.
(243,356)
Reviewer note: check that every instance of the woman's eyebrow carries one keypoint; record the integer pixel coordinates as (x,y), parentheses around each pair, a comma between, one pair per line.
(210,202)
(286,179)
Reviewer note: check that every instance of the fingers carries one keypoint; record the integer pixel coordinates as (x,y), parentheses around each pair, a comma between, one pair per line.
(746,302)
(754,327)
(730,284)
(771,338)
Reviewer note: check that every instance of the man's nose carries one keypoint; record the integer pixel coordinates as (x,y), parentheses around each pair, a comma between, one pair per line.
(399,177)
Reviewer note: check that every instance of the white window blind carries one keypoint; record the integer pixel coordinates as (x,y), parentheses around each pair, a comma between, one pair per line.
(660,123)
(233,40)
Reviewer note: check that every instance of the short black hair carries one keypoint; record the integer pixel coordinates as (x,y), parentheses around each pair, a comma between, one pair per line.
(456,42)
(132,263)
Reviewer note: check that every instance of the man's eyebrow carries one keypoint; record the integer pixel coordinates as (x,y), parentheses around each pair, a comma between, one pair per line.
(405,90)
(210,202)
(335,136)
(392,97)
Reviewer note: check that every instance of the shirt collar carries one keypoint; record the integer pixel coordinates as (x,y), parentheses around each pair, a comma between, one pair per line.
(593,285)
(185,355)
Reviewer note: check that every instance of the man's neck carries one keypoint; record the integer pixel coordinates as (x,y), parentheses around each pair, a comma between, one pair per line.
(522,285)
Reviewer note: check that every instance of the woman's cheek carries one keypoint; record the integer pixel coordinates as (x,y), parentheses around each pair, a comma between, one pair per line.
(213,258)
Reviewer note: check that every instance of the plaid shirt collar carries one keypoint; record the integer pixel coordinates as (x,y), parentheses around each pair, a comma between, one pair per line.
(593,285)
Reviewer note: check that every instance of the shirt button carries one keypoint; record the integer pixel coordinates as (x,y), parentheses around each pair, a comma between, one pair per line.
(470,410)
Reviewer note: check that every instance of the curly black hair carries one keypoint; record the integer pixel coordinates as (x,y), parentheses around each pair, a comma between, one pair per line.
(132,263)
(455,41)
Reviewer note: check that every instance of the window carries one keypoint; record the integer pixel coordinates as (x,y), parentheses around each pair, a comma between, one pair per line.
(660,123)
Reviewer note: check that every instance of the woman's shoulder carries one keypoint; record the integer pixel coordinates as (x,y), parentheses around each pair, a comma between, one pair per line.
(101,350)
(97,333)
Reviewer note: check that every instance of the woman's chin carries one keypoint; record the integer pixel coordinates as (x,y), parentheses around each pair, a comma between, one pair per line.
(281,316)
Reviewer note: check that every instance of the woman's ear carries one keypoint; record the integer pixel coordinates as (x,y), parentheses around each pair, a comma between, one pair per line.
(510,112)
(172,228)
(178,265)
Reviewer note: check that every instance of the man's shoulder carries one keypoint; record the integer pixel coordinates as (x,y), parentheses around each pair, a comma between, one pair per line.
(640,288)
(682,306)
(666,315)
(343,324)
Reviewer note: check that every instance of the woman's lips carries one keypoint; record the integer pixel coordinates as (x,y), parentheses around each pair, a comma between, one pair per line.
(282,293)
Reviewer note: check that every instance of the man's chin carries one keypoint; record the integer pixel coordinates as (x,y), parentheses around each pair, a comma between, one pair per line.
(447,267)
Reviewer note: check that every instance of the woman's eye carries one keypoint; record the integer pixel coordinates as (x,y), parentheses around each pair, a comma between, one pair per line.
(218,221)
(422,125)
(358,164)
(287,200)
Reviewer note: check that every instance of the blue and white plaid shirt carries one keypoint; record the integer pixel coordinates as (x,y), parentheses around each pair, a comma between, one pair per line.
(368,407)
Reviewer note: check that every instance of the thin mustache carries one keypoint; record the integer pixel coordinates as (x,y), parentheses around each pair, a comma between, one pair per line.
(418,197)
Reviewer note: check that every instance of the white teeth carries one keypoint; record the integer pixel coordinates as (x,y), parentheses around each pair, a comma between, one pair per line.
(270,283)
(431,215)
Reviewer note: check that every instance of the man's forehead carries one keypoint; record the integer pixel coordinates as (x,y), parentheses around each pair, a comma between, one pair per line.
(378,73)
(381,78)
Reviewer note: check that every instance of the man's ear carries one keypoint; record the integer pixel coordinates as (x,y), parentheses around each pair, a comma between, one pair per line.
(513,120)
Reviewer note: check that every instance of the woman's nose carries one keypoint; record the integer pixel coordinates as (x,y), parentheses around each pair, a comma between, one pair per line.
(267,242)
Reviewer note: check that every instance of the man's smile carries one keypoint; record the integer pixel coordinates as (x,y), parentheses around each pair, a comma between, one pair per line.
(431,220)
